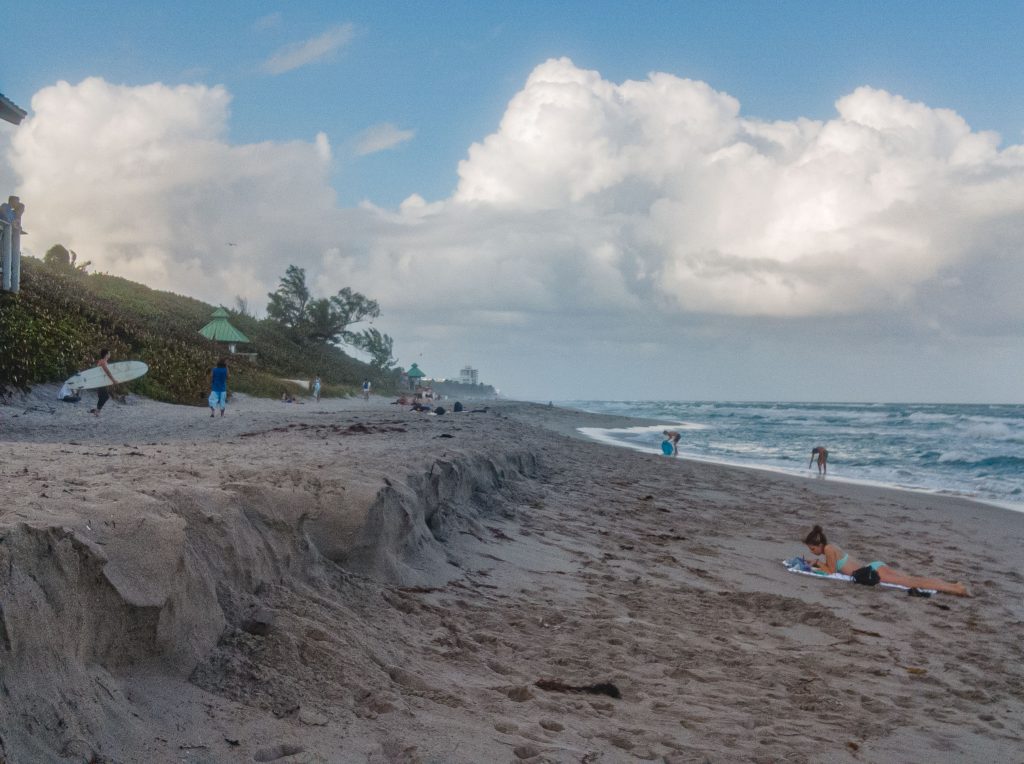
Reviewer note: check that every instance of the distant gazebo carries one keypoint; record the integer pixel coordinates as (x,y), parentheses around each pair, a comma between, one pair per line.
(415,375)
(220,330)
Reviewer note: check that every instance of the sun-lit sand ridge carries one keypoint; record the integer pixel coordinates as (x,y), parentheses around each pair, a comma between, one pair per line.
(354,582)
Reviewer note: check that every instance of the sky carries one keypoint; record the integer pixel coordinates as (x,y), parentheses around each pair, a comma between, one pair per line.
(643,200)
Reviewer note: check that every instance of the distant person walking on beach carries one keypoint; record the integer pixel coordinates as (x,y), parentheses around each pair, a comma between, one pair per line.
(366,389)
(103,393)
(316,388)
(838,561)
(219,387)
(673,437)
(822,455)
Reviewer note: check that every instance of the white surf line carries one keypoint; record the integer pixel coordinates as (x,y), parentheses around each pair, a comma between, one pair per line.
(604,435)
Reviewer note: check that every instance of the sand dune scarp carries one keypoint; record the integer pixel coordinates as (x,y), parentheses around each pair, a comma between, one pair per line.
(165,576)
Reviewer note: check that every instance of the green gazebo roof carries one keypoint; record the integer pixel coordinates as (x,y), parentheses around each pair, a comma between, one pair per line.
(220,330)
(414,371)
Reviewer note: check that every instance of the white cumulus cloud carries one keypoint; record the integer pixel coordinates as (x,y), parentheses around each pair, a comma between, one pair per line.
(299,54)
(714,212)
(142,181)
(650,208)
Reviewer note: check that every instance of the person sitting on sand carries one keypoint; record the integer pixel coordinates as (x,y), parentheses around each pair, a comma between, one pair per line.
(673,437)
(68,395)
(838,561)
(822,453)
(286,397)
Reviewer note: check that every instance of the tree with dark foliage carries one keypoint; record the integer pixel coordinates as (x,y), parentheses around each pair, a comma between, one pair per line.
(322,320)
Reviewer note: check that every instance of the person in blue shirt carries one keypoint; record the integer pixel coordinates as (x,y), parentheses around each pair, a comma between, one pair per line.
(219,387)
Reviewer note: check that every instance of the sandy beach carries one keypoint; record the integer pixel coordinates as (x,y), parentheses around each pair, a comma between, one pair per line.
(350,581)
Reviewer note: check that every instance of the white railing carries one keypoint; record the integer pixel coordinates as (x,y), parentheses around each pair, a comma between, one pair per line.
(10,253)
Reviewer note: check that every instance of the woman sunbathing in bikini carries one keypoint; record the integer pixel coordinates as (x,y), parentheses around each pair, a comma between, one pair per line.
(838,561)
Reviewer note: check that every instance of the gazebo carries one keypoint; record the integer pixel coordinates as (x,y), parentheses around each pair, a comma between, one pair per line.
(415,375)
(220,330)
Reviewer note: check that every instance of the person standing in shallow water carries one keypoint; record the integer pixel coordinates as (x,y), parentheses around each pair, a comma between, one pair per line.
(219,387)
(103,393)
(838,561)
(822,455)
(673,437)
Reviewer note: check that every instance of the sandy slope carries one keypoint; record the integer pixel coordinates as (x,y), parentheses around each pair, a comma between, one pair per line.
(352,582)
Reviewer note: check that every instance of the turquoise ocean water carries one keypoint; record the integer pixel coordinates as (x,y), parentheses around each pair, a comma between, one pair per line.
(968,450)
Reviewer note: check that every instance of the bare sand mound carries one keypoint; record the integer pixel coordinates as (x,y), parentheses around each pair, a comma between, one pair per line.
(355,583)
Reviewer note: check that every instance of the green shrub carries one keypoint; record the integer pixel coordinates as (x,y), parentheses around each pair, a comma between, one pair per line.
(58,322)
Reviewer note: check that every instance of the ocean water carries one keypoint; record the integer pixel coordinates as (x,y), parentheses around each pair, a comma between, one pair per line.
(967,450)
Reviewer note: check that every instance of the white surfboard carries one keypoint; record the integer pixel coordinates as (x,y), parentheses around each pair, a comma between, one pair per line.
(122,371)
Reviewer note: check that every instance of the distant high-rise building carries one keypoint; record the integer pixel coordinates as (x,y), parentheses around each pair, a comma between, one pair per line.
(469,376)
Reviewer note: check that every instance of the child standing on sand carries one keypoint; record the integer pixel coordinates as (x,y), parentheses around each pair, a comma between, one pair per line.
(219,387)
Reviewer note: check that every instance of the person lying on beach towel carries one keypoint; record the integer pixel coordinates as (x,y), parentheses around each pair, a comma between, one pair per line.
(838,561)
(801,566)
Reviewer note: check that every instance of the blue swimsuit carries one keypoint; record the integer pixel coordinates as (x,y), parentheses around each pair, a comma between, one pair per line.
(842,561)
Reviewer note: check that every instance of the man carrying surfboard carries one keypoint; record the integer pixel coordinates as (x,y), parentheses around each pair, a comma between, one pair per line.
(103,393)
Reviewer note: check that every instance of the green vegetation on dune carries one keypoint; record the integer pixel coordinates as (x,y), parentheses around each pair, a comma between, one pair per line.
(62,317)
